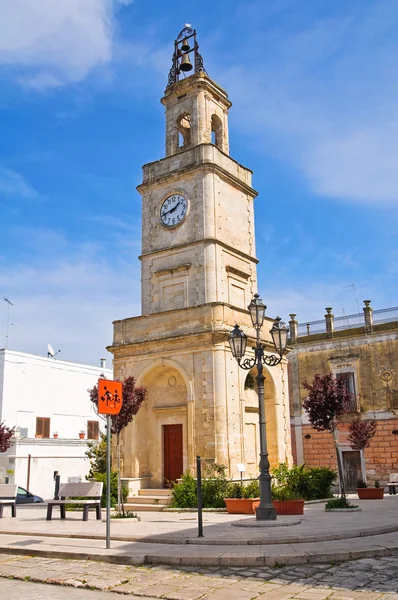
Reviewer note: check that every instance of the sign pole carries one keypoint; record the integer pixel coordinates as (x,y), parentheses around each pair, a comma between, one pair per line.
(108,481)
(110,401)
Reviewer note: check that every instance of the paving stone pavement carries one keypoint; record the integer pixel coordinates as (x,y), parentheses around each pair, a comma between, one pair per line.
(366,579)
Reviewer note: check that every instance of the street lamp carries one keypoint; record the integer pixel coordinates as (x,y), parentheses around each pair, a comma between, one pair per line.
(237,341)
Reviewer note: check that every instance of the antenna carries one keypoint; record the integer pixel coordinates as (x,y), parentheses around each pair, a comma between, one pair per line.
(51,352)
(8,317)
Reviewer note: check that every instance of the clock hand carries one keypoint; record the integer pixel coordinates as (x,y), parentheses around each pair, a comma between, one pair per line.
(172,209)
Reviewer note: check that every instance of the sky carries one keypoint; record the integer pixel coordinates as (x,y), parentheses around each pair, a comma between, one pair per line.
(314,88)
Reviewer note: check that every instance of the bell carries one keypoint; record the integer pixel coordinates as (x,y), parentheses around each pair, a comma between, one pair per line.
(185,64)
(185,46)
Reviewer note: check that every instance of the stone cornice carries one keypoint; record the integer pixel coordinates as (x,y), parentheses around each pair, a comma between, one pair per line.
(202,156)
(207,240)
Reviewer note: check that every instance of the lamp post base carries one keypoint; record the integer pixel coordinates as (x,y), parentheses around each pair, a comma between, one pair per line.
(266,513)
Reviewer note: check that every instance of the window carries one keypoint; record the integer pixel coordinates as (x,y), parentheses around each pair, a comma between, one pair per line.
(42,427)
(349,381)
(216,131)
(92,430)
(184,129)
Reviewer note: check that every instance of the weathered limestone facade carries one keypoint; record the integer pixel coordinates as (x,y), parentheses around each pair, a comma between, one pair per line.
(365,349)
(197,279)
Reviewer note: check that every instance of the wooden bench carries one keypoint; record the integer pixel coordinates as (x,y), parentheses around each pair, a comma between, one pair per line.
(85,493)
(8,496)
(392,484)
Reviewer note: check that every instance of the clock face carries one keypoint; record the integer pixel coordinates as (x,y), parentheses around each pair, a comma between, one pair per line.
(173,210)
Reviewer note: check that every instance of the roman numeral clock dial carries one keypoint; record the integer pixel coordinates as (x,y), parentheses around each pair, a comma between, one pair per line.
(173,210)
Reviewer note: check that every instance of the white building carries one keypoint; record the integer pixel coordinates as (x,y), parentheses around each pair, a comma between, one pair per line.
(47,401)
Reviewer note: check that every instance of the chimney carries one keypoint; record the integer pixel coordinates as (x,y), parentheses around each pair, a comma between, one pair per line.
(368,313)
(293,323)
(103,363)
(329,318)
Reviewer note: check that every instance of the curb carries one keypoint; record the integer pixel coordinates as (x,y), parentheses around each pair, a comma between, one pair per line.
(210,561)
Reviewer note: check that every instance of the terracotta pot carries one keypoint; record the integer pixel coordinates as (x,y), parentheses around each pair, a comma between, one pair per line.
(370,493)
(82,436)
(289,507)
(39,436)
(241,506)
(55,435)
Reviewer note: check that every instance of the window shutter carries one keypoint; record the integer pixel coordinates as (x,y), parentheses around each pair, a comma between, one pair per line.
(46,428)
(39,426)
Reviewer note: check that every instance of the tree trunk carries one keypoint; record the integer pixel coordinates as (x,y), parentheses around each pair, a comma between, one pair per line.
(339,465)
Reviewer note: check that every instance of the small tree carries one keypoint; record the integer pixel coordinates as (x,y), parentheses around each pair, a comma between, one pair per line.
(133,397)
(361,434)
(96,454)
(325,404)
(6,433)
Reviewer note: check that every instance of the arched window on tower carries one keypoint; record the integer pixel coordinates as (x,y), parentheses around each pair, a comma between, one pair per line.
(184,131)
(216,131)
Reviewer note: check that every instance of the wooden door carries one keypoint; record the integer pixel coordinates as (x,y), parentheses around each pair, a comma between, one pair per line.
(352,469)
(172,453)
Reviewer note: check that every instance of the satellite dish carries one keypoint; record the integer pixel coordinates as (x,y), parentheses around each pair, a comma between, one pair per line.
(51,352)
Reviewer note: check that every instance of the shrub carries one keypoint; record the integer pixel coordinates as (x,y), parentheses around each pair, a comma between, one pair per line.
(184,494)
(236,490)
(317,482)
(302,482)
(339,503)
(377,483)
(361,483)
(252,489)
(114,478)
(214,486)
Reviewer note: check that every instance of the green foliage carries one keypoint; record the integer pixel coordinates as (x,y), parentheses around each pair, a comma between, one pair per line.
(339,503)
(302,482)
(114,477)
(236,490)
(214,486)
(252,489)
(96,454)
(184,493)
(316,483)
(361,483)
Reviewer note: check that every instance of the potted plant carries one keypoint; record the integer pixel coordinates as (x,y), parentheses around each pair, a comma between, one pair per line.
(287,500)
(287,495)
(369,493)
(82,434)
(242,499)
(55,435)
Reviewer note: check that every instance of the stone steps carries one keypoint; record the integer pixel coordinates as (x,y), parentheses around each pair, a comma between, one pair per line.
(149,500)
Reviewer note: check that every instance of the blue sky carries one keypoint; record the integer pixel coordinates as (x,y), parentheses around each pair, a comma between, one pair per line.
(314,87)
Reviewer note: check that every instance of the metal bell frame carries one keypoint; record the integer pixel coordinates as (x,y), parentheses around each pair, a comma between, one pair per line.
(182,39)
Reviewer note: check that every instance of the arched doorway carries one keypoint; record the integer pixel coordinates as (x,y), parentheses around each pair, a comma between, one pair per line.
(161,430)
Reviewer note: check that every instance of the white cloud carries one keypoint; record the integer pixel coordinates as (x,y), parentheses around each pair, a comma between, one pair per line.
(324,98)
(67,295)
(14,184)
(56,42)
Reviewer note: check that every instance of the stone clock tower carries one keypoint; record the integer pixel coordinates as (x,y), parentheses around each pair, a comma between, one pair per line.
(198,276)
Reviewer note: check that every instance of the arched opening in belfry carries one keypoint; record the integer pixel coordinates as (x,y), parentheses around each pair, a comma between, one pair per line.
(251,421)
(216,131)
(184,131)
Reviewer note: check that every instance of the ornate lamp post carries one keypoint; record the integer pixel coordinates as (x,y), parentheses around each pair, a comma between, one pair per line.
(237,341)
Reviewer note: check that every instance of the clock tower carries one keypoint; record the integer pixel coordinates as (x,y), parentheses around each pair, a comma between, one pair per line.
(198,270)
